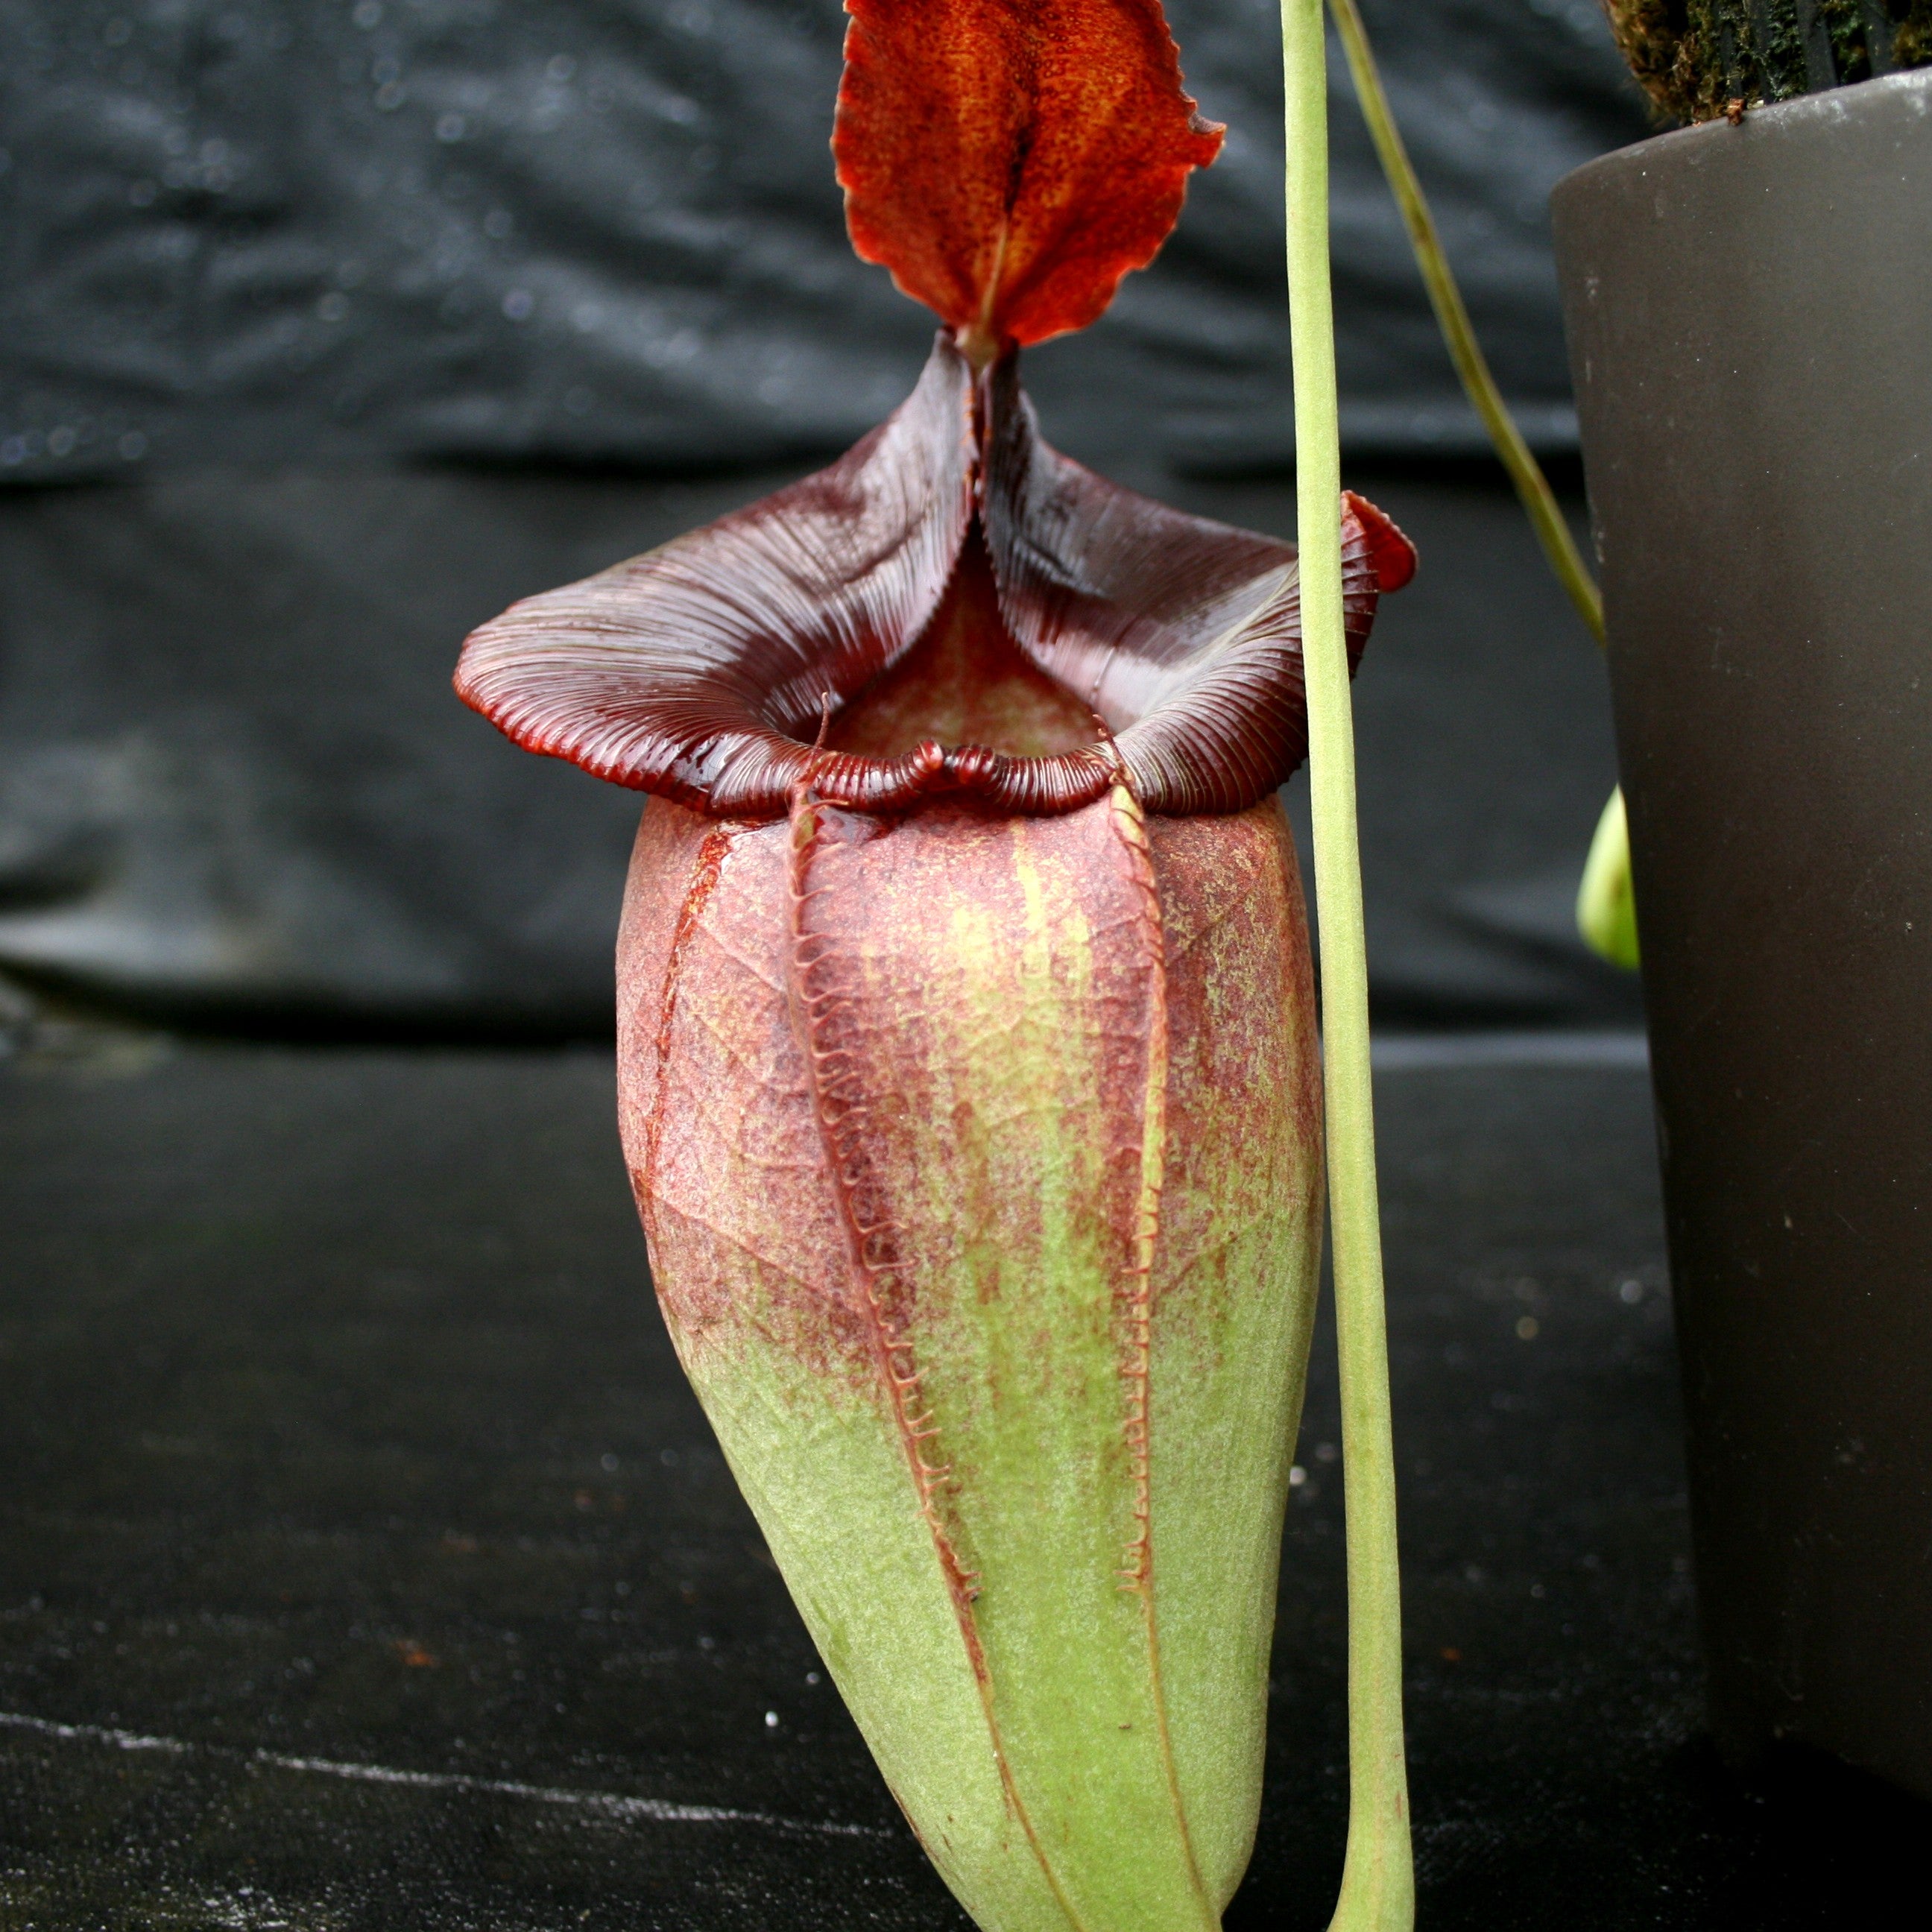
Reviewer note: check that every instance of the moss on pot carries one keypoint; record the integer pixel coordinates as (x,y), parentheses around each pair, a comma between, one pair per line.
(1697,59)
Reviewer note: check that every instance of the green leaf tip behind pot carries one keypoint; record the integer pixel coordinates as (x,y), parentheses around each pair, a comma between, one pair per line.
(1606,904)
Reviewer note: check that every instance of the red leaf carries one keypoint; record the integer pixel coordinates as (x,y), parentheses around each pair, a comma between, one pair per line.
(1010,160)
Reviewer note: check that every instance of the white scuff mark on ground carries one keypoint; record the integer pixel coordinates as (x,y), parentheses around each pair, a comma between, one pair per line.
(604,1803)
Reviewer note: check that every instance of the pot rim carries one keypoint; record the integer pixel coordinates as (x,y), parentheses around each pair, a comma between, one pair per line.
(1779,120)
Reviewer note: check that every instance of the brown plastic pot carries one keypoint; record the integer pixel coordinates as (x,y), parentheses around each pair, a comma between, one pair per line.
(1750,315)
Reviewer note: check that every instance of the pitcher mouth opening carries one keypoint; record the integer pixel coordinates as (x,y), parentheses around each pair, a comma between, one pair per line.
(966,684)
(965,710)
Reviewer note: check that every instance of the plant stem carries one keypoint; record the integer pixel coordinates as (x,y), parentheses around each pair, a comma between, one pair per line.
(1605,915)
(1525,471)
(1378,1881)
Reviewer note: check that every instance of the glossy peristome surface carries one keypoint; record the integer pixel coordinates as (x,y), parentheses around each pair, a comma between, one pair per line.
(702,671)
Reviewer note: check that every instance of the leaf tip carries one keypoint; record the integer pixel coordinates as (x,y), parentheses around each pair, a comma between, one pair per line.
(1009,161)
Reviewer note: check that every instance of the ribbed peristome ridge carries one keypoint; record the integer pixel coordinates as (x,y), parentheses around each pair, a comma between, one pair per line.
(708,671)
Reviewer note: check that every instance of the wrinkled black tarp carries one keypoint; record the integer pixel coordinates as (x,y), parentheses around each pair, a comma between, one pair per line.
(358,318)
(608,229)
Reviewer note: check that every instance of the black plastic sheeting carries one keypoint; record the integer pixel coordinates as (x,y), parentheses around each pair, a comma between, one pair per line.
(607,230)
(236,790)
(356,319)
(367,1563)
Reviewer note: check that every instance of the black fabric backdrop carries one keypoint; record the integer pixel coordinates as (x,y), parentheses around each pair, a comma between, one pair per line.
(608,229)
(353,320)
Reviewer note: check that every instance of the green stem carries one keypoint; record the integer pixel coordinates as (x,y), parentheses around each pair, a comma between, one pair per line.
(1525,471)
(1378,1881)
(1606,916)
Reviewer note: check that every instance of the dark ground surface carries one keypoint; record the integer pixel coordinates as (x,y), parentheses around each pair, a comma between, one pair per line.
(366,1565)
